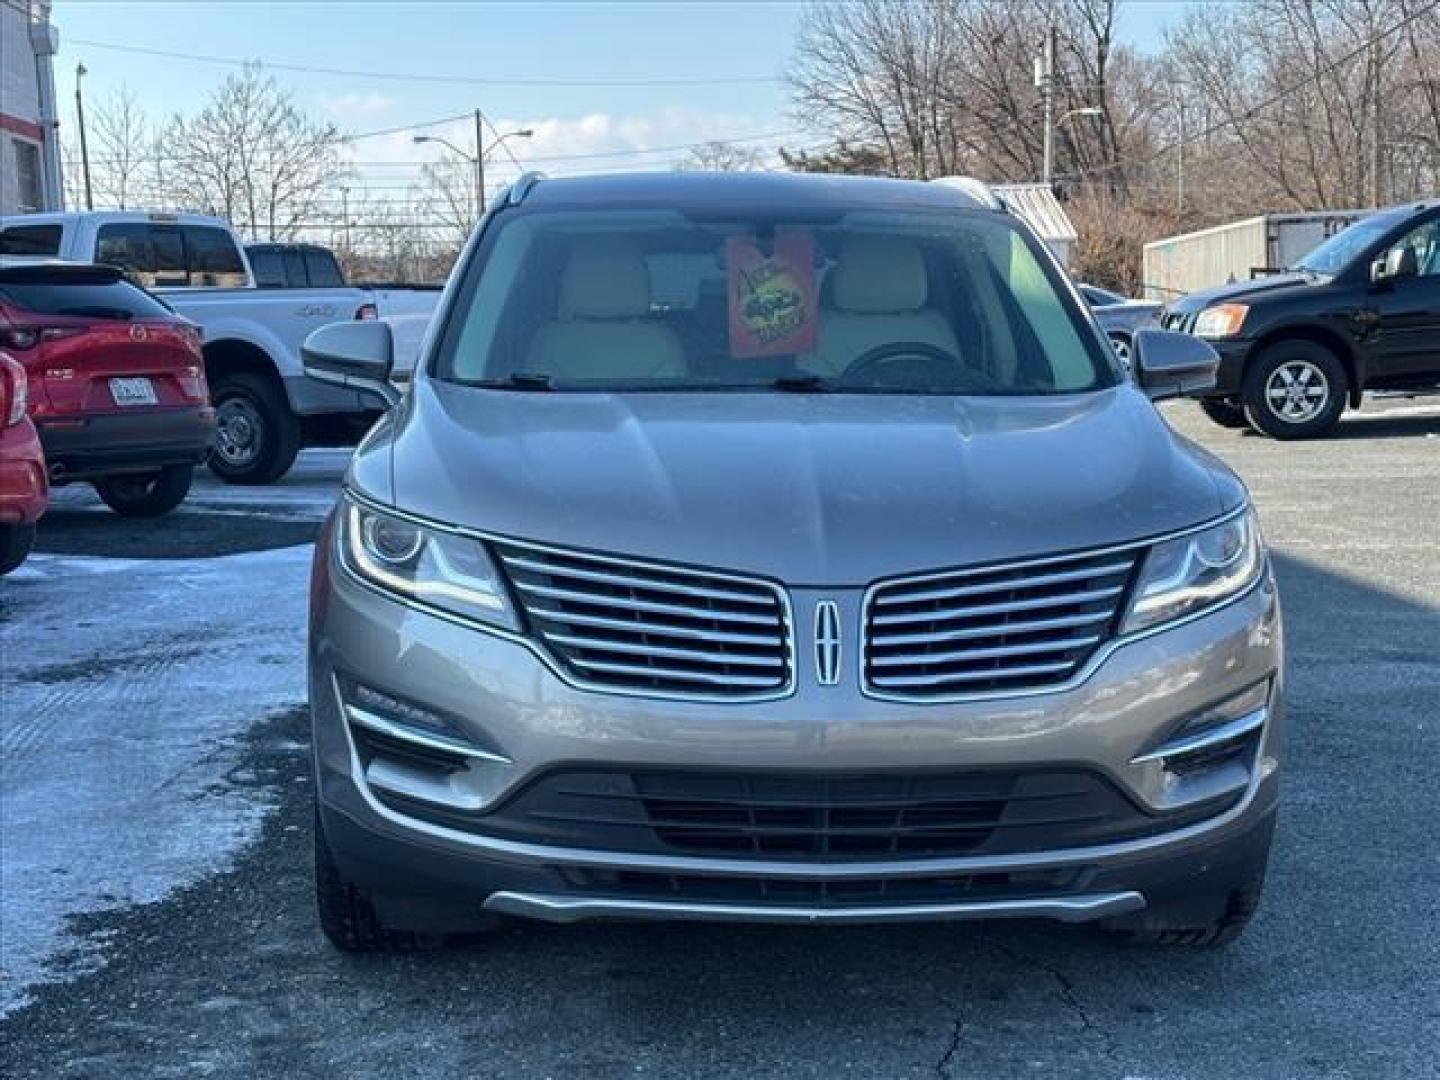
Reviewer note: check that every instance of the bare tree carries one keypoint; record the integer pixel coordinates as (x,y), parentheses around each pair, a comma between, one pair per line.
(121,132)
(447,196)
(255,158)
(718,155)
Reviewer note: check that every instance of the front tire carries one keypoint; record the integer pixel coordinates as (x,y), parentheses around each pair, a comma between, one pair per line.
(347,913)
(1227,412)
(1296,390)
(146,494)
(16,542)
(257,437)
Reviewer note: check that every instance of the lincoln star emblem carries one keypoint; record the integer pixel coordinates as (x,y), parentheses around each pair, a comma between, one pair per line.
(827,643)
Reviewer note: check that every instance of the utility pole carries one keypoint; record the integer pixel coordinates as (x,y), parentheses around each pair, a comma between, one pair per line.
(84,147)
(1180,161)
(345,210)
(1377,149)
(1045,80)
(479,165)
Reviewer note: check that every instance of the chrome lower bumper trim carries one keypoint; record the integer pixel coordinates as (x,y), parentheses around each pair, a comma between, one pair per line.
(1215,736)
(566,909)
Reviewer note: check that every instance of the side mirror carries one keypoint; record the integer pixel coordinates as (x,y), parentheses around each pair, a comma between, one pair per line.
(1398,262)
(356,355)
(1169,364)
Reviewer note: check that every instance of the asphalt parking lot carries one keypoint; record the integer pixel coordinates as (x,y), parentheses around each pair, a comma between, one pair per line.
(156,825)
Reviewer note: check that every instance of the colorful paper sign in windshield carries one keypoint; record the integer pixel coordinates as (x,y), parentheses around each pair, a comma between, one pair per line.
(772,297)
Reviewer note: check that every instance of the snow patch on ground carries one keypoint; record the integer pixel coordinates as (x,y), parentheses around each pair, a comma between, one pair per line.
(128,688)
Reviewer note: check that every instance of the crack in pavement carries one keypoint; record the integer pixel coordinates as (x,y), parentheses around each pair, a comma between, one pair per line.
(1068,996)
(957,1037)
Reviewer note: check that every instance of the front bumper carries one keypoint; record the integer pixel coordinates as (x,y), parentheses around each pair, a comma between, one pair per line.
(103,444)
(1230,376)
(532,723)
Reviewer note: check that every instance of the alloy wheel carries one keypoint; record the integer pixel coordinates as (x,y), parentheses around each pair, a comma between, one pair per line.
(1297,391)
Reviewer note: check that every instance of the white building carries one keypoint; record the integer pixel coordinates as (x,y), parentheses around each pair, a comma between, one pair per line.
(29,152)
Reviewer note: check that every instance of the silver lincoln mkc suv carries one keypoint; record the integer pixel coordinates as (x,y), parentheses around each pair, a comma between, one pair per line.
(784,548)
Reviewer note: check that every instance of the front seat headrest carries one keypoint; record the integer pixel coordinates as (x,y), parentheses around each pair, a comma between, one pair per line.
(605,278)
(879,275)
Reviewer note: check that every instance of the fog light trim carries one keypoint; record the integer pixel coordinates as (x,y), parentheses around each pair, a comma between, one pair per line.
(1229,731)
(429,740)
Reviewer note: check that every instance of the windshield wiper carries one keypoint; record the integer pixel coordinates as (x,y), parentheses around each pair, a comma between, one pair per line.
(520,380)
(801,384)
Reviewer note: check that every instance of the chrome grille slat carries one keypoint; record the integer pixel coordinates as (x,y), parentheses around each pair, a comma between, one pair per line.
(667,631)
(653,629)
(1038,604)
(1009,629)
(1000,629)
(634,581)
(975,676)
(670,652)
(673,674)
(579,597)
(1060,577)
(993,653)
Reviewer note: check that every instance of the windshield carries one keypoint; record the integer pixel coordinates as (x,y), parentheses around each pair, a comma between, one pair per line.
(1341,249)
(957,302)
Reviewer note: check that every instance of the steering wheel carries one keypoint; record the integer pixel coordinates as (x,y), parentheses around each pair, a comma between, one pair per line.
(911,365)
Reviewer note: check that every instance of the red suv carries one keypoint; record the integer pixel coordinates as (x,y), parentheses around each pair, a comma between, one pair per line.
(117,382)
(23,490)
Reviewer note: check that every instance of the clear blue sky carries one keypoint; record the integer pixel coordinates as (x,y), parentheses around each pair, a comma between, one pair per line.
(504,42)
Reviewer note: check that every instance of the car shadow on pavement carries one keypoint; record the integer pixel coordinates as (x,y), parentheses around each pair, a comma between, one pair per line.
(182,534)
(229,976)
(1378,425)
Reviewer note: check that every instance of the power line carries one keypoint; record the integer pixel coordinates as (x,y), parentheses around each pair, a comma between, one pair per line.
(396,76)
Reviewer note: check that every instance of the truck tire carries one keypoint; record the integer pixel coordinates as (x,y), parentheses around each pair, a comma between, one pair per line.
(256,434)
(15,544)
(146,494)
(1227,412)
(1295,390)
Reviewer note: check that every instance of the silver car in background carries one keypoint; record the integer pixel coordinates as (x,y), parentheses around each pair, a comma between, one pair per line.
(790,549)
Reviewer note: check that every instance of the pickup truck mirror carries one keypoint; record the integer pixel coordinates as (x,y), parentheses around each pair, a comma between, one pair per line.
(356,355)
(1398,262)
(1169,364)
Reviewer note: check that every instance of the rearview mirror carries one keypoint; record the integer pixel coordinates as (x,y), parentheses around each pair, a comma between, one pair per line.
(1169,364)
(1398,262)
(356,355)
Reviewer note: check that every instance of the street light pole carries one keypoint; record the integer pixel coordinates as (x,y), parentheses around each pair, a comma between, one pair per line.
(1046,78)
(84,147)
(479,165)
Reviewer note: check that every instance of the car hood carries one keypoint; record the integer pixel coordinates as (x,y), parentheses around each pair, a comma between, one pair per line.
(809,489)
(1240,290)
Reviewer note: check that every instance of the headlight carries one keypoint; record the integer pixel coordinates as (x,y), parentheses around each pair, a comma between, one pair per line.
(1222,320)
(1196,571)
(429,566)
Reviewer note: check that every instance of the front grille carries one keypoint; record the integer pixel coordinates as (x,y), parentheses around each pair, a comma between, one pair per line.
(1010,628)
(1180,321)
(818,818)
(833,893)
(665,630)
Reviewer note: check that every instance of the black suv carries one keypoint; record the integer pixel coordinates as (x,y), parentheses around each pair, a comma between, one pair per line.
(1361,312)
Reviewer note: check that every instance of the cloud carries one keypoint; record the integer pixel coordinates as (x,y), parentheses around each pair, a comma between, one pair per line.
(355,105)
(566,145)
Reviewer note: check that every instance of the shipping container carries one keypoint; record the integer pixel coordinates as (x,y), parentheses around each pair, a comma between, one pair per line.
(1239,251)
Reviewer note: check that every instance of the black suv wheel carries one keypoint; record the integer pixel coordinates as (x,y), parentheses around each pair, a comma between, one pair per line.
(1296,390)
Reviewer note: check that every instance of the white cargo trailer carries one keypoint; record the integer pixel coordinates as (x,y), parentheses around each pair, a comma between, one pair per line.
(1239,251)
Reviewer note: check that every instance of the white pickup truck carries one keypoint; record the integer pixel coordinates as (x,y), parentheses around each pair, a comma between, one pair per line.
(266,407)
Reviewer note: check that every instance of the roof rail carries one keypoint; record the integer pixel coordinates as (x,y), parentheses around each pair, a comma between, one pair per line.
(521,187)
(976,189)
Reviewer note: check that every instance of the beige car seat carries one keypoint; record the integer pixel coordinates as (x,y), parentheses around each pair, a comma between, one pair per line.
(602,333)
(878,293)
